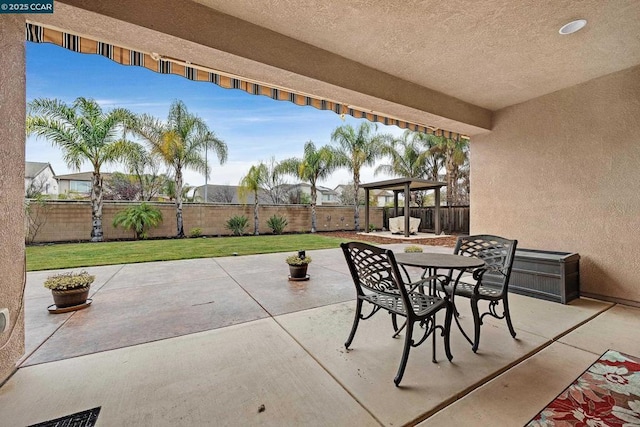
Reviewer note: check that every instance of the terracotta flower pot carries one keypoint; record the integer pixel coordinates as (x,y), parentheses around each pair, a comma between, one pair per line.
(298,271)
(70,297)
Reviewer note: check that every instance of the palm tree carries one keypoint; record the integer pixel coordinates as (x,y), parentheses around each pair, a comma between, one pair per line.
(169,189)
(408,157)
(139,219)
(433,161)
(85,133)
(315,165)
(180,142)
(252,182)
(144,166)
(357,148)
(455,154)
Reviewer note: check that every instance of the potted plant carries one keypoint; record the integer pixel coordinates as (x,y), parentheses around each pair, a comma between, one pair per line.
(69,289)
(298,266)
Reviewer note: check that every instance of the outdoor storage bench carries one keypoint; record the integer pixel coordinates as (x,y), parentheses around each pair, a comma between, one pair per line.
(553,276)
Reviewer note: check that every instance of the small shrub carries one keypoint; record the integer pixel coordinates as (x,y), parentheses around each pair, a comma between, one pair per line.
(138,218)
(296,260)
(277,224)
(372,227)
(195,232)
(413,249)
(305,199)
(66,281)
(237,224)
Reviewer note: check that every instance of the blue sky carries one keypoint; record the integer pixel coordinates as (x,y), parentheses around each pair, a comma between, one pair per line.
(253,127)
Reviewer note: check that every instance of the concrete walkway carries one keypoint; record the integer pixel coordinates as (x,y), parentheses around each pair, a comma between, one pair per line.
(230,341)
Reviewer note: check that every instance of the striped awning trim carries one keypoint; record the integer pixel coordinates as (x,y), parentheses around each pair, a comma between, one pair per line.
(165,65)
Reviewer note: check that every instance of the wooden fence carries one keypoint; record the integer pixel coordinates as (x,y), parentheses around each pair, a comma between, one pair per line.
(453,219)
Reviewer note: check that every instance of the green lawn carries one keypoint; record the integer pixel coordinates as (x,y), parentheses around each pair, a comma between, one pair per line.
(70,255)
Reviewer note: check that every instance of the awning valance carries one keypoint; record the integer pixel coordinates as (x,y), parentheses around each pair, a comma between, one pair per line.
(40,34)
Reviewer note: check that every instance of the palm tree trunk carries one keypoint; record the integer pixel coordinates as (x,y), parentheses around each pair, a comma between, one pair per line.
(450,189)
(96,207)
(313,207)
(456,191)
(356,209)
(141,183)
(450,180)
(255,215)
(179,224)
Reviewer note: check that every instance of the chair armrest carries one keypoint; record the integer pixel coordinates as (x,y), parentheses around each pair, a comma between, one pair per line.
(422,282)
(478,273)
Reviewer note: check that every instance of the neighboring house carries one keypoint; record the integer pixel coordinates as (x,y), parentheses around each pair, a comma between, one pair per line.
(340,188)
(78,184)
(324,195)
(383,197)
(345,194)
(229,194)
(39,178)
(327,196)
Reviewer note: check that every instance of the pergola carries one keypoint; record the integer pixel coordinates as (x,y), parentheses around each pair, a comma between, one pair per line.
(405,185)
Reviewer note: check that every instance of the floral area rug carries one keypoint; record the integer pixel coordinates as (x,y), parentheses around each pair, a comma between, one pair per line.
(606,394)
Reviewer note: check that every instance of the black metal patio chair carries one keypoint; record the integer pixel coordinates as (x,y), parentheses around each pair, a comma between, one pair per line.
(378,282)
(490,283)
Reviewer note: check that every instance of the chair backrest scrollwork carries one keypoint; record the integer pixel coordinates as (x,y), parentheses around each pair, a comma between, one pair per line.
(372,267)
(374,270)
(497,253)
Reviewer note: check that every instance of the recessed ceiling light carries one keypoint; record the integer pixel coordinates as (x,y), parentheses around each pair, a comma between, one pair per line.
(573,26)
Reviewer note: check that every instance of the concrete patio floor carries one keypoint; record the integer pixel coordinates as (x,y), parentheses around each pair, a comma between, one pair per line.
(210,341)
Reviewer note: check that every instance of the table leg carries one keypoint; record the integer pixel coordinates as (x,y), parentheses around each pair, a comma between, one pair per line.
(453,306)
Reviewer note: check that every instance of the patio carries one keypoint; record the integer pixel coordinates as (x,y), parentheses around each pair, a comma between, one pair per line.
(209,341)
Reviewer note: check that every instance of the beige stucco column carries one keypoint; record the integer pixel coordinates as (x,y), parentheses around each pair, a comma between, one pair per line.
(12,129)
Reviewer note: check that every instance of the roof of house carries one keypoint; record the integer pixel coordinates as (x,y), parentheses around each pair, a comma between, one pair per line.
(326,190)
(217,192)
(81,176)
(33,169)
(340,188)
(289,187)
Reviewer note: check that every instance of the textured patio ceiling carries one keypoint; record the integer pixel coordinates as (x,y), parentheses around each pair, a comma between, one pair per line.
(445,64)
(491,53)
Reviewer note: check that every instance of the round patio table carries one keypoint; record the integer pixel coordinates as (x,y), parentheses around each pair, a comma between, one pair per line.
(431,262)
(436,261)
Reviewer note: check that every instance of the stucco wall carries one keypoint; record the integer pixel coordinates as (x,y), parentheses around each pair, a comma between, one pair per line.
(562,172)
(69,220)
(12,111)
